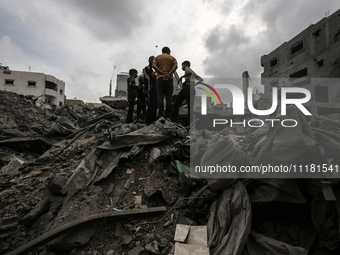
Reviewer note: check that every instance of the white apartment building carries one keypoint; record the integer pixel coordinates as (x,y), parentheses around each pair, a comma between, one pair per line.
(50,88)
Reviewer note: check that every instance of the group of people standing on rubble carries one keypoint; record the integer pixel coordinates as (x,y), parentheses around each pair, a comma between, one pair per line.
(155,84)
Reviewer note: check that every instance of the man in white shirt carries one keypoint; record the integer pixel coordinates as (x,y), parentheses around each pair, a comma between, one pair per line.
(188,90)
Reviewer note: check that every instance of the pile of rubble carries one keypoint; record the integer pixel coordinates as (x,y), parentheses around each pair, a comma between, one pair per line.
(81,181)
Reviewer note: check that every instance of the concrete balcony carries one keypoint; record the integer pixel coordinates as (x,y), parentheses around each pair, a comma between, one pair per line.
(50,92)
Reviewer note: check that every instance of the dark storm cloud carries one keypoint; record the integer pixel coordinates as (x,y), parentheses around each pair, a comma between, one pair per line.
(107,19)
(231,64)
(29,40)
(285,19)
(226,48)
(224,6)
(220,38)
(228,55)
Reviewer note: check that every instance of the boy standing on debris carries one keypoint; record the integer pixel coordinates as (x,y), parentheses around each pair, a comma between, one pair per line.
(188,90)
(132,89)
(165,65)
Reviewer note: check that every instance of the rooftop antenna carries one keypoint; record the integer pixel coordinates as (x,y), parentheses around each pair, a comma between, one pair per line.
(110,91)
(326,13)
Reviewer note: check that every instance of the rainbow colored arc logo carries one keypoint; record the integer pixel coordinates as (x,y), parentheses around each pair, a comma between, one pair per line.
(209,93)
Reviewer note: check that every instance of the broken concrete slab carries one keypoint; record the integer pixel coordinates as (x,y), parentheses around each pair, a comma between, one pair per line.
(113,215)
(108,116)
(73,239)
(153,247)
(136,251)
(126,240)
(13,165)
(181,233)
(147,135)
(41,143)
(57,185)
(198,235)
(10,132)
(188,249)
(138,200)
(155,153)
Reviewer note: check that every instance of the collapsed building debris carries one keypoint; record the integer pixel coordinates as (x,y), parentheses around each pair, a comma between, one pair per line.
(60,169)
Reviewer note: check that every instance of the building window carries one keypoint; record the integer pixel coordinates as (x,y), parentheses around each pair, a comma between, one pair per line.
(320,63)
(273,62)
(9,82)
(296,48)
(61,91)
(60,103)
(299,74)
(336,36)
(31,83)
(316,33)
(51,85)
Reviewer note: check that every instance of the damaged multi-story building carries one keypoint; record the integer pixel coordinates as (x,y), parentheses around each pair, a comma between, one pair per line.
(310,60)
(48,87)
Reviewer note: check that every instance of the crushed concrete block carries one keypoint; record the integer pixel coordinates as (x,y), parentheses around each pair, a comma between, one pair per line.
(153,247)
(155,153)
(136,251)
(119,230)
(183,249)
(129,171)
(195,238)
(127,239)
(181,232)
(73,240)
(138,200)
(57,185)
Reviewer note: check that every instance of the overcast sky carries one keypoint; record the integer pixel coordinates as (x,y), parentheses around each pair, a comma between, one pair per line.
(80,41)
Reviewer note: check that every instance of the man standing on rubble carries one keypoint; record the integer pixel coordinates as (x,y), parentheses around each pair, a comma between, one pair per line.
(188,91)
(165,65)
(150,84)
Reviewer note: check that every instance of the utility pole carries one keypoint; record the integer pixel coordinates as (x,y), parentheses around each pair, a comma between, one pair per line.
(110,91)
(245,80)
